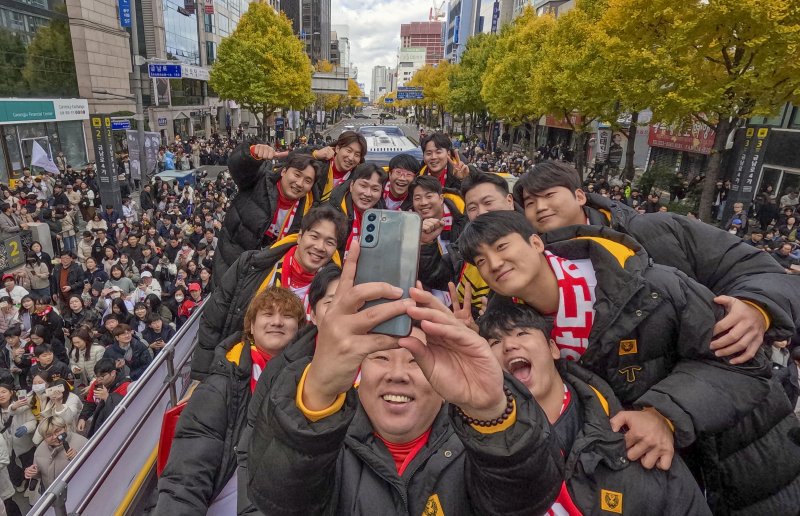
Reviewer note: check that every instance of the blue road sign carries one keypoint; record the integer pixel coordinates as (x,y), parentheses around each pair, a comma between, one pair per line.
(125,13)
(119,125)
(169,71)
(409,93)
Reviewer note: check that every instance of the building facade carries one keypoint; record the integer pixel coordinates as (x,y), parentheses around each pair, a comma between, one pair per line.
(427,35)
(409,60)
(463,21)
(311,21)
(381,82)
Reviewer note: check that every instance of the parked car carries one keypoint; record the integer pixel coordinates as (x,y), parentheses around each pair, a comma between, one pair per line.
(360,115)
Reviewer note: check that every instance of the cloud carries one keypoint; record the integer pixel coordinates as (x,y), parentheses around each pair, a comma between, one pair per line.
(375,30)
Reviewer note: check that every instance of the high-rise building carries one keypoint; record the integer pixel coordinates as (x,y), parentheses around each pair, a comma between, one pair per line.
(409,60)
(427,35)
(343,35)
(463,20)
(311,21)
(381,82)
(494,14)
(554,7)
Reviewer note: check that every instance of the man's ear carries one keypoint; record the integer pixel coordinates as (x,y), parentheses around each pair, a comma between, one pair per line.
(580,196)
(536,242)
(554,351)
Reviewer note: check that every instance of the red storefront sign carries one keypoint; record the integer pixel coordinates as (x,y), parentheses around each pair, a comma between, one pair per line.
(698,139)
(563,123)
(209,6)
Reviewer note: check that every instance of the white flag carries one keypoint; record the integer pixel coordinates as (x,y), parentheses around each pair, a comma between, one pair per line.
(40,158)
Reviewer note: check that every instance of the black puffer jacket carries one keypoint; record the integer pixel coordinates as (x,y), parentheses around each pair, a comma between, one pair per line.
(437,269)
(203,459)
(223,313)
(252,209)
(342,200)
(338,466)
(731,414)
(598,461)
(713,257)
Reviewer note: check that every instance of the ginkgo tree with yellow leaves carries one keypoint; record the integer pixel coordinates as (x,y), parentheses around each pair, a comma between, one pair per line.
(262,66)
(435,84)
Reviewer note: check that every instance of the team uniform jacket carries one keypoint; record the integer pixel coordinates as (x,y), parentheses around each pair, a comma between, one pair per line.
(337,465)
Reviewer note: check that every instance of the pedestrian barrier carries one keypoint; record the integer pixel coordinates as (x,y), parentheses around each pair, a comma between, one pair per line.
(108,473)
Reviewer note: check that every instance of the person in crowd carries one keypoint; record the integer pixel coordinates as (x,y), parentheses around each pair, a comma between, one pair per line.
(578,405)
(411,406)
(14,356)
(784,258)
(10,224)
(85,353)
(147,285)
(59,400)
(653,350)
(270,204)
(440,161)
(219,405)
(18,424)
(66,279)
(110,258)
(99,246)
(51,457)
(789,379)
(337,162)
(362,191)
(105,392)
(118,279)
(9,314)
(36,248)
(290,263)
(93,272)
(129,351)
(402,170)
(78,315)
(47,362)
(12,290)
(157,334)
(157,307)
(442,221)
(129,269)
(755,293)
(37,275)
(140,316)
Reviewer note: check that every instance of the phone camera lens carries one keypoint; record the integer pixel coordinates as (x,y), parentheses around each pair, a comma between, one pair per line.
(371,227)
(371,217)
(369,238)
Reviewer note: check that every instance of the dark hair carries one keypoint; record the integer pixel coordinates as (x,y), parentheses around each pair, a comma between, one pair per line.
(300,162)
(319,285)
(120,329)
(477,178)
(795,355)
(506,316)
(6,299)
(141,305)
(366,171)
(83,334)
(756,231)
(67,252)
(104,366)
(489,228)
(155,302)
(13,331)
(151,318)
(427,183)
(117,267)
(404,161)
(546,175)
(440,141)
(120,303)
(348,137)
(42,348)
(329,213)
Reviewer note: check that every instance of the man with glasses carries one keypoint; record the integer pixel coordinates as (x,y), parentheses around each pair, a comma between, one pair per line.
(104,394)
(51,456)
(402,170)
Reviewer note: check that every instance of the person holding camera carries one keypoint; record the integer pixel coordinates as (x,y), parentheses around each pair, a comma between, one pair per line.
(106,391)
(59,446)
(18,424)
(59,400)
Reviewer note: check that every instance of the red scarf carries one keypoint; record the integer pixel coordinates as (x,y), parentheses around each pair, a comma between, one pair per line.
(260,360)
(404,453)
(391,199)
(355,230)
(338,177)
(442,176)
(279,229)
(564,506)
(575,316)
(293,275)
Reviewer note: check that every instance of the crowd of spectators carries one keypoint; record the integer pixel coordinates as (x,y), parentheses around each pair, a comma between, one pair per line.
(79,325)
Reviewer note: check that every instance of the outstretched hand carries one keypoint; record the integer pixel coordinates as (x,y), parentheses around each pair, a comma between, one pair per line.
(343,340)
(457,361)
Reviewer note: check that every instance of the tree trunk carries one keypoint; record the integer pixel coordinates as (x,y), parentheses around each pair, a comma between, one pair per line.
(629,171)
(713,171)
(580,153)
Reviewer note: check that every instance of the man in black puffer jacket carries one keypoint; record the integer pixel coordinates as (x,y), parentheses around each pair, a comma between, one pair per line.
(270,204)
(362,191)
(322,231)
(645,329)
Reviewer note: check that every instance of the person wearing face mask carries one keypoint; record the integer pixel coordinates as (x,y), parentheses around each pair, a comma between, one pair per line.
(290,263)
(270,204)
(195,476)
(364,190)
(59,400)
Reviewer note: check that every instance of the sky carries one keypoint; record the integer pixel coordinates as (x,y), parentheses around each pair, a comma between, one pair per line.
(375,30)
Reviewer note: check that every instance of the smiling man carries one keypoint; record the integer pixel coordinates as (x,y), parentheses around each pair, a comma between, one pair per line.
(338,161)
(364,190)
(645,330)
(202,459)
(402,170)
(440,163)
(269,205)
(291,263)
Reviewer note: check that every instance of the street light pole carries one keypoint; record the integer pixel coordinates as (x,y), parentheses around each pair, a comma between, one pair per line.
(137,92)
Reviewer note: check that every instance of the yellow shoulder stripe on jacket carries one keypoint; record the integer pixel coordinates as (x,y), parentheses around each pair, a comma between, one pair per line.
(457,201)
(606,213)
(603,401)
(234,354)
(288,239)
(617,250)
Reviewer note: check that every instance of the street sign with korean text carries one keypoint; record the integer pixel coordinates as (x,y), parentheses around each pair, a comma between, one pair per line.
(409,93)
(162,121)
(105,163)
(169,71)
(120,125)
(125,13)
(388,100)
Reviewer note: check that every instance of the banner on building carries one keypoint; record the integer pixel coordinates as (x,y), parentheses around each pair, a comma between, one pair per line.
(495,16)
(106,167)
(602,143)
(125,13)
(699,138)
(152,141)
(209,7)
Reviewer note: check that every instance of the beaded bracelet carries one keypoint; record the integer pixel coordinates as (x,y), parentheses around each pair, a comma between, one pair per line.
(494,422)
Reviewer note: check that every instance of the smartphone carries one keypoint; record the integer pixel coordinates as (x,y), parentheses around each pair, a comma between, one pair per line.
(21,393)
(389,243)
(52,391)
